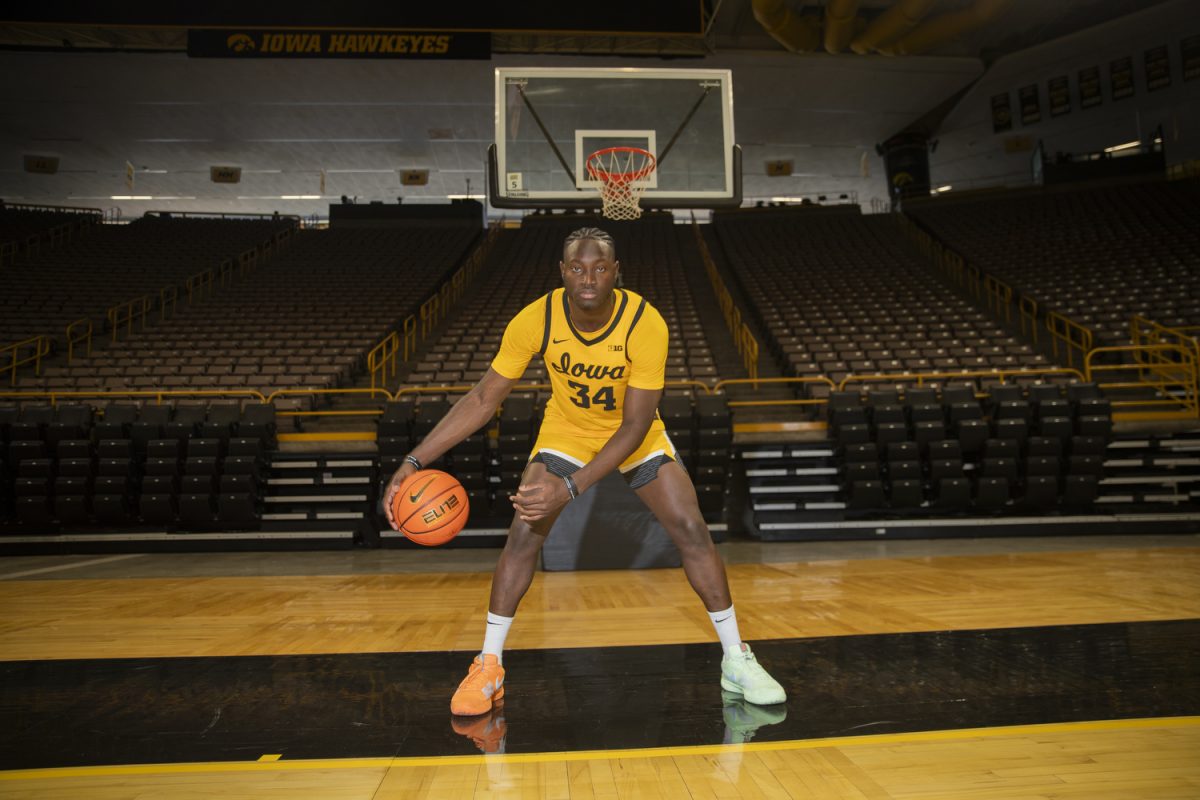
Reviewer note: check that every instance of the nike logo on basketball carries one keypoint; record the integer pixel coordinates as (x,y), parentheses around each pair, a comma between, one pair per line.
(560,341)
(415,497)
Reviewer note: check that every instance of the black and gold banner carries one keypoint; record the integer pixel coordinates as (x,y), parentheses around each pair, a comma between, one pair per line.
(229,43)
(1089,87)
(1189,56)
(1001,113)
(1031,109)
(1120,72)
(1158,68)
(1058,95)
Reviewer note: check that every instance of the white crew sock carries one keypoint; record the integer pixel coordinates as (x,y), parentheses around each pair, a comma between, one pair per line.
(727,628)
(497,630)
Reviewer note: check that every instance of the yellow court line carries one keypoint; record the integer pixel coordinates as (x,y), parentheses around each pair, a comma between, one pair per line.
(958,734)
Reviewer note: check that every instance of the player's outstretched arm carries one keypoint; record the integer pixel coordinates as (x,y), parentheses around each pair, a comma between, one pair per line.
(476,408)
(536,500)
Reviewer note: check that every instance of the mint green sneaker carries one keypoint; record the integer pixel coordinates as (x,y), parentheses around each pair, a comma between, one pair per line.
(742,719)
(741,674)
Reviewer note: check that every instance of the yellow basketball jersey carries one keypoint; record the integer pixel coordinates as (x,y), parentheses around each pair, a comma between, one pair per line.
(589,371)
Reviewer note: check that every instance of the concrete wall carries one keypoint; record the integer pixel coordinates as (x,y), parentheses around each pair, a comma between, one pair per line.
(970,155)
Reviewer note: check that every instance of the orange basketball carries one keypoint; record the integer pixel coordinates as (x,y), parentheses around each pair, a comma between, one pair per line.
(431,507)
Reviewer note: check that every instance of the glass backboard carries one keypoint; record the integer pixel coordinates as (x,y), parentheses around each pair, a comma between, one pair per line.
(549,120)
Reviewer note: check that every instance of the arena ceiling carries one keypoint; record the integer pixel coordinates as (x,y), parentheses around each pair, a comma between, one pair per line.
(104,97)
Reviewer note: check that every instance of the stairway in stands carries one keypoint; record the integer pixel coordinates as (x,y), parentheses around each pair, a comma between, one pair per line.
(320,497)
(799,492)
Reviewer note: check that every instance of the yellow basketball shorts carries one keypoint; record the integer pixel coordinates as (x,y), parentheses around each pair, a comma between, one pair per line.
(563,454)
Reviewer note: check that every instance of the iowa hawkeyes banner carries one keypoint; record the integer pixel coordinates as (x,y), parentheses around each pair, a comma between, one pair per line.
(218,43)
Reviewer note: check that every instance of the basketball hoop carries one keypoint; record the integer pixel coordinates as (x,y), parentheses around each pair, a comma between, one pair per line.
(622,172)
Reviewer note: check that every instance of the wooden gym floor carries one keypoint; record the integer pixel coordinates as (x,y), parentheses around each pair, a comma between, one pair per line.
(1021,668)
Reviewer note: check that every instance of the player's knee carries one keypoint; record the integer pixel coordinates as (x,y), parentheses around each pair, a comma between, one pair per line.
(524,537)
(692,534)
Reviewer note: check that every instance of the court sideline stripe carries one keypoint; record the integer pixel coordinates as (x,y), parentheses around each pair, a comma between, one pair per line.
(957,734)
(91,563)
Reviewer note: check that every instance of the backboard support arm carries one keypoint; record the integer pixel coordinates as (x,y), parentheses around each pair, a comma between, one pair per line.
(708,87)
(546,133)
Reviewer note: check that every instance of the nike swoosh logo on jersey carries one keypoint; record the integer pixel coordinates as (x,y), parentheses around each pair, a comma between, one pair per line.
(560,341)
(412,498)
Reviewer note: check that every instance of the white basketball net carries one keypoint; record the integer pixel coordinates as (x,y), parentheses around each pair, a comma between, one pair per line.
(622,174)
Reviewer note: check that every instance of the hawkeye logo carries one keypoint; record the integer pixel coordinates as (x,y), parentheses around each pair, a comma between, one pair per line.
(240,42)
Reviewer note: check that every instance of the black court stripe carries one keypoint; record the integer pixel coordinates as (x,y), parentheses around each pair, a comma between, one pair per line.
(361,705)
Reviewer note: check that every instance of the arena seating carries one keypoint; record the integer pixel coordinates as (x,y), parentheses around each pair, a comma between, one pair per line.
(839,293)
(25,231)
(43,293)
(303,320)
(1016,447)
(1096,255)
(1045,450)
(201,467)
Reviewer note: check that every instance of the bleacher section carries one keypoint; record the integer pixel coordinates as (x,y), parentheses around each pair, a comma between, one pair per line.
(41,294)
(25,231)
(69,467)
(301,321)
(927,463)
(1096,255)
(838,296)
(305,320)
(839,293)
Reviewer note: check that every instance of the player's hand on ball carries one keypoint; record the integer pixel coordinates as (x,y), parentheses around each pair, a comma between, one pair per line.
(405,472)
(539,497)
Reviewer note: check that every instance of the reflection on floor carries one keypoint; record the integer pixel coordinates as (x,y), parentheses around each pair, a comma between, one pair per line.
(123,711)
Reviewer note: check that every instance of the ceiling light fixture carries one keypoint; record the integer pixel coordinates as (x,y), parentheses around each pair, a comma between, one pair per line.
(1125,146)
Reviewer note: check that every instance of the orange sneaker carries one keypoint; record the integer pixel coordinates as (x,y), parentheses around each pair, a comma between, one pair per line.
(487,731)
(483,686)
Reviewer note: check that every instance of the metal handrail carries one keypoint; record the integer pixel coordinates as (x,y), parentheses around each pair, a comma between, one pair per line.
(720,386)
(86,210)
(1028,313)
(41,348)
(381,357)
(743,338)
(125,313)
(159,394)
(167,296)
(920,377)
(999,296)
(73,337)
(410,336)
(1081,340)
(199,285)
(220,215)
(1178,377)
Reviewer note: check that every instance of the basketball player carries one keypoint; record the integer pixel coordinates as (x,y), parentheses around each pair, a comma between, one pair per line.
(606,351)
